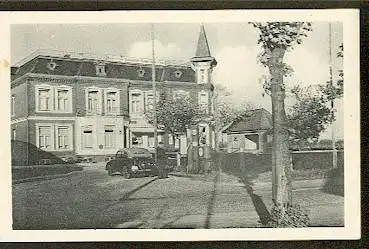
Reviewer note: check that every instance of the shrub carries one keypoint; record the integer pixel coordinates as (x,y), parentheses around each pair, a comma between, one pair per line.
(294,216)
(335,183)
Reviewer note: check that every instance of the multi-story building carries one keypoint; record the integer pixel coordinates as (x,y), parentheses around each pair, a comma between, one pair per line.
(80,105)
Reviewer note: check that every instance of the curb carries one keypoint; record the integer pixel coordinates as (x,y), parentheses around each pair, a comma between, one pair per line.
(43,178)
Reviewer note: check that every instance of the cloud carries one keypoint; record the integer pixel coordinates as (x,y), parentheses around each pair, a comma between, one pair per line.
(309,69)
(162,51)
(238,71)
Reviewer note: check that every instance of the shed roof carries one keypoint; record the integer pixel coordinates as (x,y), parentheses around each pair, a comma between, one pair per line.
(253,120)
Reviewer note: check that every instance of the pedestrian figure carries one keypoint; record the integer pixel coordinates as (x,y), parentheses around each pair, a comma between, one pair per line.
(162,161)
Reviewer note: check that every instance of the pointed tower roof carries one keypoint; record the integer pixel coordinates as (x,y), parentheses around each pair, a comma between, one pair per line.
(202,49)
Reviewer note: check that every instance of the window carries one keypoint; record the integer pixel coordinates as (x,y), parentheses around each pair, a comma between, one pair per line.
(44,99)
(100,70)
(136,102)
(93,101)
(204,101)
(141,72)
(63,100)
(109,136)
(13,106)
(111,102)
(44,137)
(149,101)
(87,137)
(170,139)
(151,142)
(63,137)
(14,134)
(177,74)
(202,76)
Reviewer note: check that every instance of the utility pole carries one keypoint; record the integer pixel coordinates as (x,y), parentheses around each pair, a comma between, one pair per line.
(153,74)
(334,151)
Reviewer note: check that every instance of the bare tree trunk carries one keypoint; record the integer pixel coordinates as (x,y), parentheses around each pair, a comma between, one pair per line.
(280,153)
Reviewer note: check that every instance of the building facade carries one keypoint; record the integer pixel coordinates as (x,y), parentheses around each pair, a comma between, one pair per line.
(76,105)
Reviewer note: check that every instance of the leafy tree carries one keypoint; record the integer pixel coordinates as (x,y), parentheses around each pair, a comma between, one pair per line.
(226,111)
(276,38)
(310,115)
(175,115)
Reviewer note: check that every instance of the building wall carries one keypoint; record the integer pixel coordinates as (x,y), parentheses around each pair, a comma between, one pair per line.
(32,133)
(32,97)
(80,95)
(21,131)
(77,116)
(97,124)
(20,92)
(246,142)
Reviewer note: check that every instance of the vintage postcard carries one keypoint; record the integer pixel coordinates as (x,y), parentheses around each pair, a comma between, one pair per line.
(180,125)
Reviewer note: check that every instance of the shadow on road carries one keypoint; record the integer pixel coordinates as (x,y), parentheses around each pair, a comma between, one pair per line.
(259,204)
(128,194)
(246,173)
(211,202)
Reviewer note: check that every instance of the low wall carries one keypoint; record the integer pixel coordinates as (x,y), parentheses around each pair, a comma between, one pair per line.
(22,172)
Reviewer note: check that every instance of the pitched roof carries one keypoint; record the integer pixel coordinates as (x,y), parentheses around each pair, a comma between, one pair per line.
(86,67)
(253,120)
(202,49)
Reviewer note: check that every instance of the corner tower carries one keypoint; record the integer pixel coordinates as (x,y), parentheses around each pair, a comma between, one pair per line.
(203,63)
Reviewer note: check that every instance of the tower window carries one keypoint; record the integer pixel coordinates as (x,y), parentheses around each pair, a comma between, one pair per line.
(202,75)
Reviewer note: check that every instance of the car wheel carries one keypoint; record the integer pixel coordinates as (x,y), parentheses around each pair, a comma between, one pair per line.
(110,172)
(125,173)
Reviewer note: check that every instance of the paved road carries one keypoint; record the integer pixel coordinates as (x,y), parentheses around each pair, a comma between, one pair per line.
(91,199)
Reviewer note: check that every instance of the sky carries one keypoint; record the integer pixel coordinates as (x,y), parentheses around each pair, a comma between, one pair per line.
(234,45)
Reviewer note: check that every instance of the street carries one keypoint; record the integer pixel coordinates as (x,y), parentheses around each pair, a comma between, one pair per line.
(92,199)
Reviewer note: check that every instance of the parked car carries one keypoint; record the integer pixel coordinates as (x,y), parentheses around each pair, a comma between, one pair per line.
(132,162)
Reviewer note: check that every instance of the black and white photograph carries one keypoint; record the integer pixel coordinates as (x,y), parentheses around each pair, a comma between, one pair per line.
(179,121)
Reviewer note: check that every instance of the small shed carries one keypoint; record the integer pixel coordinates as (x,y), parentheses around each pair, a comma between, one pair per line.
(250,132)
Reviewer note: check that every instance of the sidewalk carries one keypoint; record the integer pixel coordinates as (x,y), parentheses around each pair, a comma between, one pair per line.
(220,204)
(325,209)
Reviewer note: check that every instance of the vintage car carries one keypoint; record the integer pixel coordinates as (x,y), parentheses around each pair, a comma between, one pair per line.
(132,162)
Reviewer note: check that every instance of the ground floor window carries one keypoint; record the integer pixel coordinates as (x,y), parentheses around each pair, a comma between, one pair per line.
(151,142)
(63,137)
(44,137)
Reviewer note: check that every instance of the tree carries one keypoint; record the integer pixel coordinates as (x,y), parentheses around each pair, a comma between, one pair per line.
(310,115)
(175,115)
(226,109)
(276,38)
